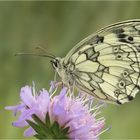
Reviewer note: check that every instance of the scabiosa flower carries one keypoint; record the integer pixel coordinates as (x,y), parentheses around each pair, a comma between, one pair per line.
(53,115)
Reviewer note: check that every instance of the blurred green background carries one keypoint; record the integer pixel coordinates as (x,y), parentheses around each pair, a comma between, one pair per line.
(56,26)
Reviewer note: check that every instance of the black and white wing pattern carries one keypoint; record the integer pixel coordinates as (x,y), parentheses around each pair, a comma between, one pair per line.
(107,63)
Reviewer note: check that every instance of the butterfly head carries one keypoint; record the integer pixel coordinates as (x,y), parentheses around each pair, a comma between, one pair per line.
(56,63)
(61,69)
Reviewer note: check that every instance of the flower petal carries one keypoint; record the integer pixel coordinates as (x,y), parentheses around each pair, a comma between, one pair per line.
(44,100)
(20,123)
(29,132)
(27,114)
(26,96)
(63,93)
(15,108)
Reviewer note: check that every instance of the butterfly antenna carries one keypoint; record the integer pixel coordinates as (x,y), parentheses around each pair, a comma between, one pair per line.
(34,54)
(44,50)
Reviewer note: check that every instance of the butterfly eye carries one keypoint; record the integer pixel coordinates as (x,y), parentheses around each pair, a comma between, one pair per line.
(55,63)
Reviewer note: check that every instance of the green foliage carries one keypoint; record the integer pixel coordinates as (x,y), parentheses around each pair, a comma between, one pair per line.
(47,130)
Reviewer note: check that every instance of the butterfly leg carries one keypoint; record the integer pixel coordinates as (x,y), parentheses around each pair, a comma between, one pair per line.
(54,86)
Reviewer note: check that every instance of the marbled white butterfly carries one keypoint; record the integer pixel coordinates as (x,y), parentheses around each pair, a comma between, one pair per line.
(106,64)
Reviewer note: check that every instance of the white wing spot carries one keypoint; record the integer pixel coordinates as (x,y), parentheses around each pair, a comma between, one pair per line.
(81,58)
(87,66)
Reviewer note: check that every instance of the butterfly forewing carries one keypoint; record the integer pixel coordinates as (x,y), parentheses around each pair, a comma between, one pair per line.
(107,63)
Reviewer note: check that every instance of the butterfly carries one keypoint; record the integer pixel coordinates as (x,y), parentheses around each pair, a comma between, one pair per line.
(106,64)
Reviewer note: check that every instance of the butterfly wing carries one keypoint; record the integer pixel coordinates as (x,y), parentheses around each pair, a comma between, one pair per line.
(107,63)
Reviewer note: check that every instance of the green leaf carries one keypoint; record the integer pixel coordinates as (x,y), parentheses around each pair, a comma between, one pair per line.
(38,136)
(55,128)
(47,120)
(46,130)
(38,121)
(33,125)
(37,128)
(64,133)
(42,125)
(65,130)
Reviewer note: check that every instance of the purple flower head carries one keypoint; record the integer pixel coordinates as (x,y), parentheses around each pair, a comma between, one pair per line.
(77,113)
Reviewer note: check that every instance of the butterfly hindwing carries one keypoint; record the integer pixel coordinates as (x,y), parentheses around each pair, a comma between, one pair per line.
(107,64)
